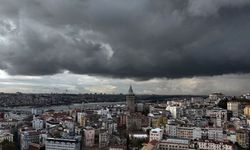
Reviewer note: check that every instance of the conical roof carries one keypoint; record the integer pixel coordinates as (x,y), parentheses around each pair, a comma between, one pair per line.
(130,91)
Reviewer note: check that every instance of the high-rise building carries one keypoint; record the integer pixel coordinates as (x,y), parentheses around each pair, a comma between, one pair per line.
(174,110)
(247,111)
(130,100)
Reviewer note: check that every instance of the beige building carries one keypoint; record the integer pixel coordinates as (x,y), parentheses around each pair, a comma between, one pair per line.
(174,144)
(247,111)
(234,107)
(242,138)
(148,147)
(81,118)
(184,132)
(153,145)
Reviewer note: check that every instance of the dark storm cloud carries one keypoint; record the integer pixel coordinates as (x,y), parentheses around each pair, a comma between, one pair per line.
(139,39)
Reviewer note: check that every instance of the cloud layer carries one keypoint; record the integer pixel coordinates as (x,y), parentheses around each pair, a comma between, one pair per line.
(72,83)
(140,39)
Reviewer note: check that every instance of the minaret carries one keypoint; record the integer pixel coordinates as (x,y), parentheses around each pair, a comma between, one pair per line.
(130,100)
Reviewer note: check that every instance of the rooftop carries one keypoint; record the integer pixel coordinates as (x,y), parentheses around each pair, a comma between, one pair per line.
(176,141)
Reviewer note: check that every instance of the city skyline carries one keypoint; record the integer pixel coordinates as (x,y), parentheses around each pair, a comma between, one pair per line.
(164,47)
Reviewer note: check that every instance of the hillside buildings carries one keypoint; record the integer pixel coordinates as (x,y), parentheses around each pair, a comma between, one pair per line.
(175,123)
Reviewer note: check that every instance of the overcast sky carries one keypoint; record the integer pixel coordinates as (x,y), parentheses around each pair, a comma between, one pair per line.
(158,46)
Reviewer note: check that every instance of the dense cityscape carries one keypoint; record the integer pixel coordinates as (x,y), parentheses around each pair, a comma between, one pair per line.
(213,122)
(124,75)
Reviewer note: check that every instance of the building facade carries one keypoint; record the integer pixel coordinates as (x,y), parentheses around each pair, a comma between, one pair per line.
(174,144)
(247,111)
(27,137)
(156,134)
(89,137)
(212,145)
(37,123)
(242,137)
(233,106)
(62,144)
(103,139)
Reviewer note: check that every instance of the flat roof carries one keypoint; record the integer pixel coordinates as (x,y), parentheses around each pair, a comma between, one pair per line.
(176,141)
(62,140)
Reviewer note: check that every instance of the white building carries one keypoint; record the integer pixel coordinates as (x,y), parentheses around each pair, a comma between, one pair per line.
(197,133)
(103,112)
(62,144)
(231,136)
(210,145)
(37,123)
(174,110)
(215,134)
(140,136)
(156,134)
(197,99)
(36,111)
